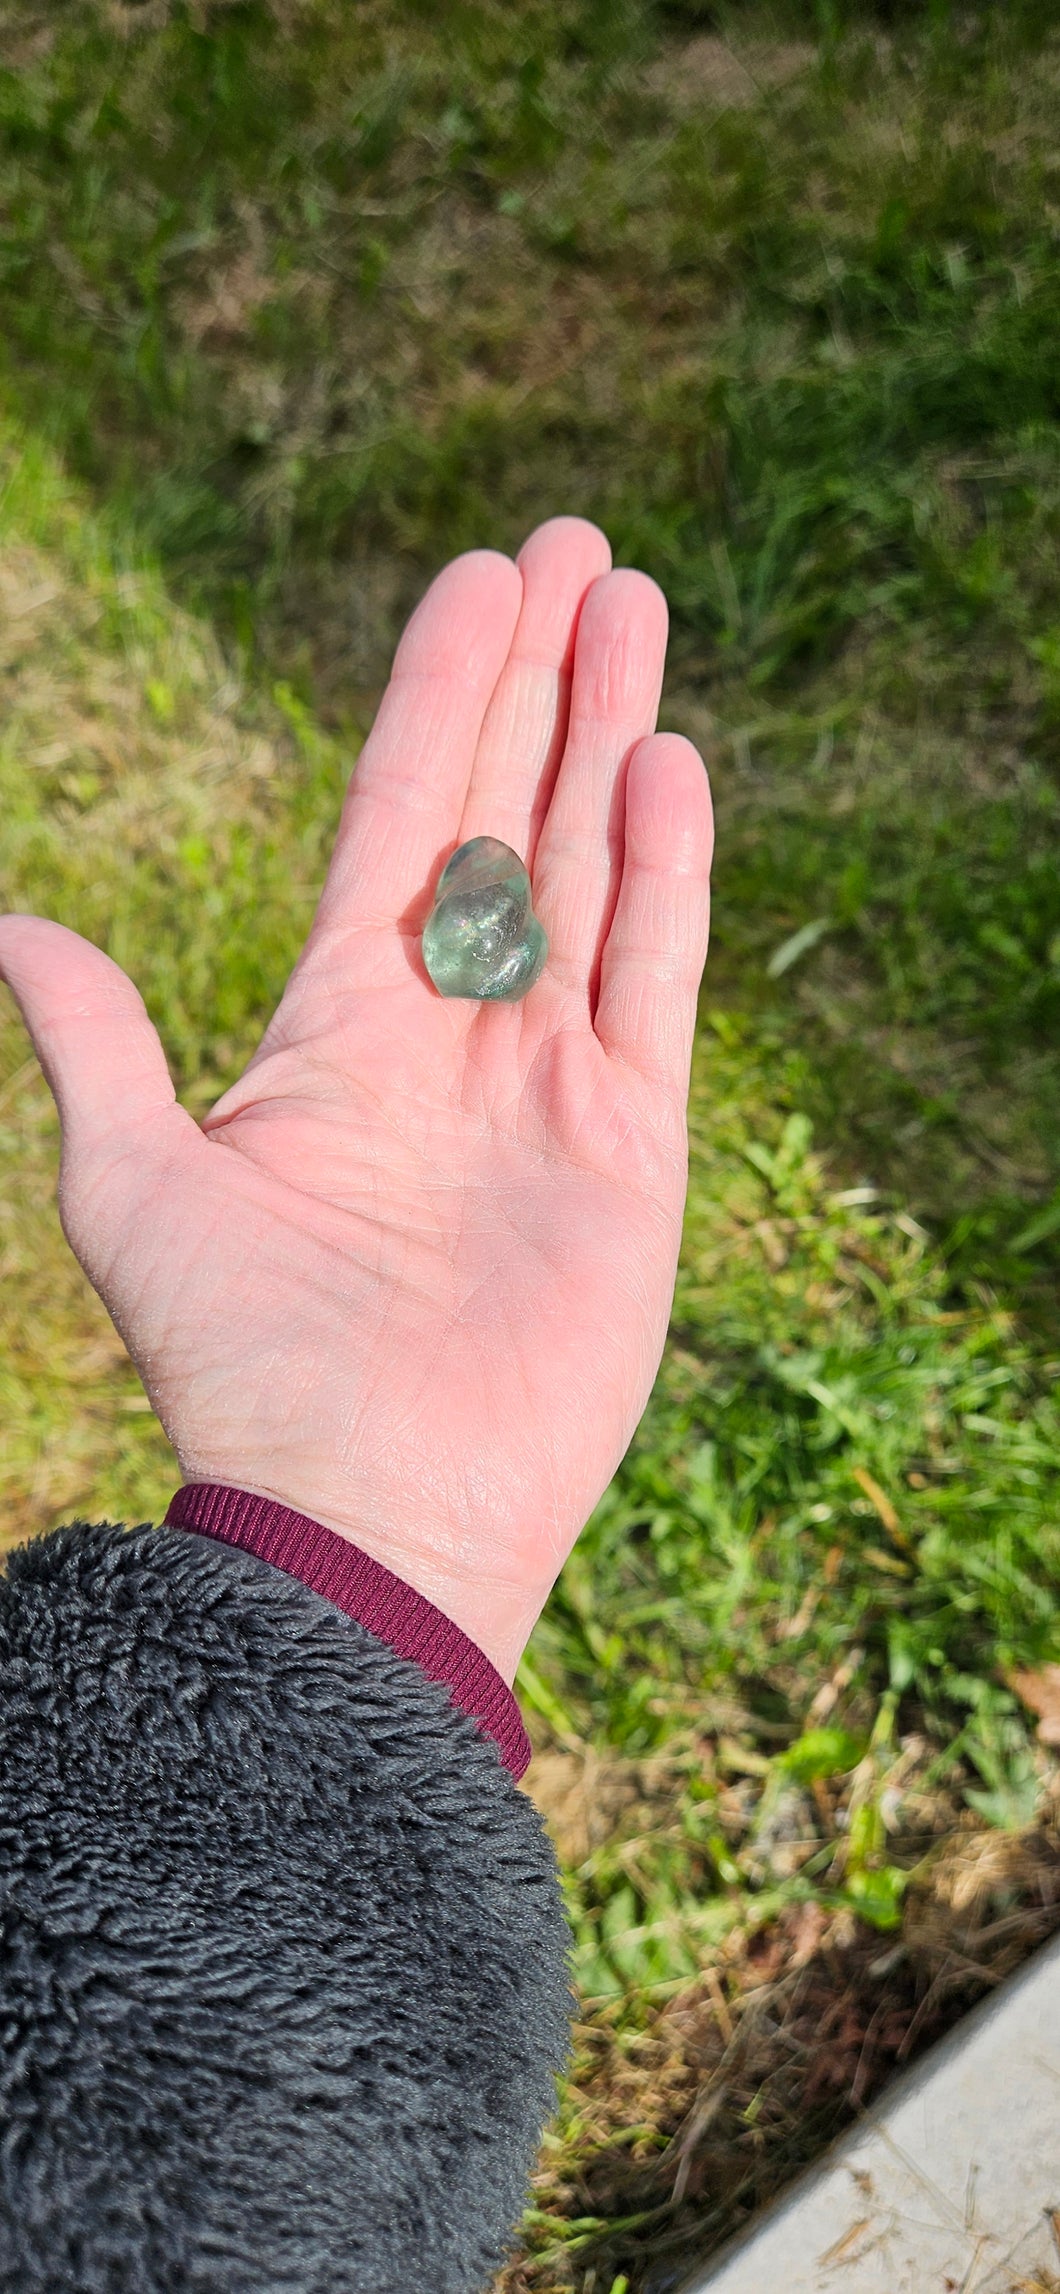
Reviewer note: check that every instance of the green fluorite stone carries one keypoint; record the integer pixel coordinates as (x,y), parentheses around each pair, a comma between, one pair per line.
(482,938)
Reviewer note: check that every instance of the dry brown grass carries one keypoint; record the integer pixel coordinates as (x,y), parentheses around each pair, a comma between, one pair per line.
(792,2030)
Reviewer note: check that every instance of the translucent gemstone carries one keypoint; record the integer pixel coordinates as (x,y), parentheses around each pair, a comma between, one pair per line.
(482,938)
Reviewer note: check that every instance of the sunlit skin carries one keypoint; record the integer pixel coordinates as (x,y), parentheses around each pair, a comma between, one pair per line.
(412,1274)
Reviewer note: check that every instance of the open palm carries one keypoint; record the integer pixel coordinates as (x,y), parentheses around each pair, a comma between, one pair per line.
(413,1272)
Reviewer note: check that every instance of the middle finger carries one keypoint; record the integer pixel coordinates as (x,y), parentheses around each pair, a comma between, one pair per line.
(525,726)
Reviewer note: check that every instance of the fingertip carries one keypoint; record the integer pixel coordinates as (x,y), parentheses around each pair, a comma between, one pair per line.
(579,540)
(627,605)
(89,1028)
(559,563)
(463,624)
(29,946)
(489,561)
(669,806)
(636,590)
(469,567)
(483,574)
(13,921)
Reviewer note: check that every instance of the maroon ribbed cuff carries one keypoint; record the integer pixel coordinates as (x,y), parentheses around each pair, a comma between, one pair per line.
(370,1594)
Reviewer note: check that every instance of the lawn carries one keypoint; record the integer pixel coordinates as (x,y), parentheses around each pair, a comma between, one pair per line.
(297,300)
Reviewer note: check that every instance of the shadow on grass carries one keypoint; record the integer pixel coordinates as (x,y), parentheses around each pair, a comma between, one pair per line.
(749,2075)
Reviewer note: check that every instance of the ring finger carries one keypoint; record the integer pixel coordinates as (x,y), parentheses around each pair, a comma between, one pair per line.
(619,657)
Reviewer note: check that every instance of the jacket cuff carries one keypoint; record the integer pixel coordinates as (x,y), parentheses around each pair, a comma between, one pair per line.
(399,1616)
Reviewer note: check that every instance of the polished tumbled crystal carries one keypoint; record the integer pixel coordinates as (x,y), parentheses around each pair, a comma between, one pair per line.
(482,938)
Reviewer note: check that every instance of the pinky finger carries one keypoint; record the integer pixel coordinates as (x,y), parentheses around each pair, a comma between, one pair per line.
(655,951)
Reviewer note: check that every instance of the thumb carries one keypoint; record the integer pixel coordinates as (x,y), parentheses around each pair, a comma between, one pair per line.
(88,1026)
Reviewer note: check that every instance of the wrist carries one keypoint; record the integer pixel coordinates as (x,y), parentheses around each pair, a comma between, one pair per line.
(499,1618)
(365,1588)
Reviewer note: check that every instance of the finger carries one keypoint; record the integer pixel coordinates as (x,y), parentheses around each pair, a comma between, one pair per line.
(619,654)
(92,1035)
(403,807)
(525,726)
(656,948)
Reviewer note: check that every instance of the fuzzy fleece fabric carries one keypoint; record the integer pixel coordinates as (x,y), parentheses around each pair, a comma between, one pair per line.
(284,1965)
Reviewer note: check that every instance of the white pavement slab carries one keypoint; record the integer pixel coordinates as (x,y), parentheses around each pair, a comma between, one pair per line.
(949,2185)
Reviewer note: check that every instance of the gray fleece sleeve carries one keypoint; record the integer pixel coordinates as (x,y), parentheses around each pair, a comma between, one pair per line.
(283,1958)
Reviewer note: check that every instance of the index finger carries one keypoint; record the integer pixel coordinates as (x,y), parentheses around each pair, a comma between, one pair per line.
(402,809)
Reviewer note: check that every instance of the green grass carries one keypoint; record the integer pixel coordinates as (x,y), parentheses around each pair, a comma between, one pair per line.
(737,1562)
(297,301)
(184,826)
(315,297)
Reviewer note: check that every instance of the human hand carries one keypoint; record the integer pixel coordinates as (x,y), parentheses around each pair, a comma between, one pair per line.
(412,1275)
